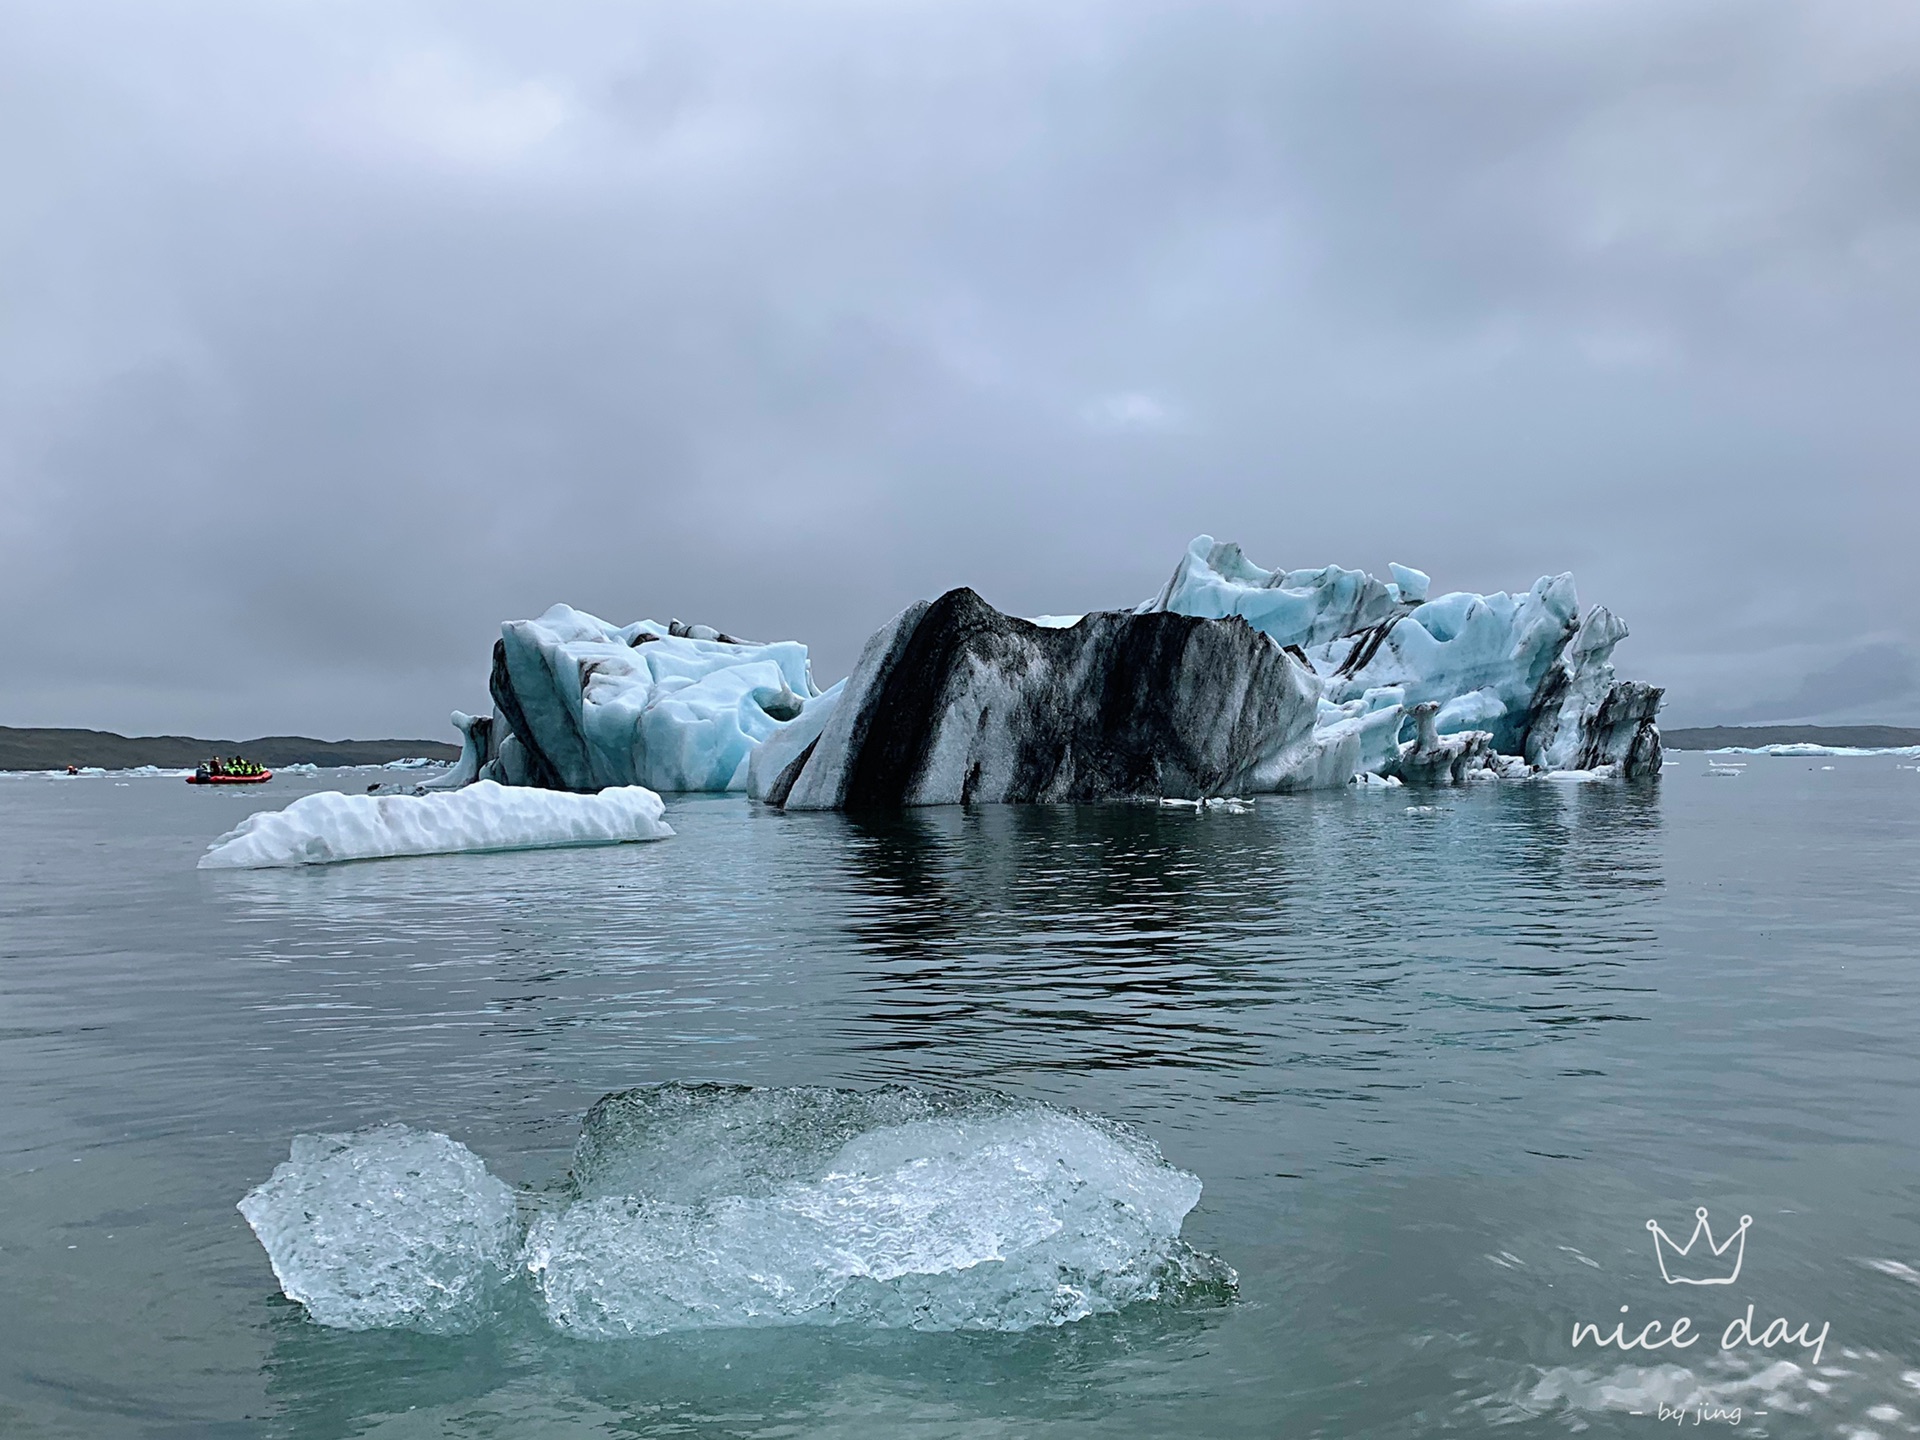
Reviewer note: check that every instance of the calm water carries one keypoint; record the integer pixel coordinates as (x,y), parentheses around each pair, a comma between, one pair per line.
(1436,1072)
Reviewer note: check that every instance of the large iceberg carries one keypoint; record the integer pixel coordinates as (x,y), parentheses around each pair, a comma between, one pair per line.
(328,827)
(1233,679)
(722,1206)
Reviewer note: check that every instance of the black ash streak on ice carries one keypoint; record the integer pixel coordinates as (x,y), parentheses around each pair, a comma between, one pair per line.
(1119,706)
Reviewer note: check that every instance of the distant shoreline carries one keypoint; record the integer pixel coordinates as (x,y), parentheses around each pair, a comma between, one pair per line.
(1850,737)
(50,749)
(55,749)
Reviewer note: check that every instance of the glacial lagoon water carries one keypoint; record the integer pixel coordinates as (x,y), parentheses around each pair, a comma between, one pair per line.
(1435,1070)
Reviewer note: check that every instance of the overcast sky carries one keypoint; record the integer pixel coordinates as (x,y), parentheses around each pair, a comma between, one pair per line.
(333,334)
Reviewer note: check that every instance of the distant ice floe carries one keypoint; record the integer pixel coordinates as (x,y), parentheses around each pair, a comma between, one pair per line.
(1810,750)
(137,772)
(328,827)
(695,1207)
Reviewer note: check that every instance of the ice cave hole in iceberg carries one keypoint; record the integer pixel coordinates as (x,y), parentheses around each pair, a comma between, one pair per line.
(692,1207)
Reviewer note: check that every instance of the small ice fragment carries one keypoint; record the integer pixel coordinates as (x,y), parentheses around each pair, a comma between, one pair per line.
(388,1227)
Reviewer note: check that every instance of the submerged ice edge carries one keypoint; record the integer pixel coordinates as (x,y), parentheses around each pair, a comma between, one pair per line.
(818,1208)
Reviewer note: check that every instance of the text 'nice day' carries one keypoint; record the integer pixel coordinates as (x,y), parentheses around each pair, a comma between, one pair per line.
(1680,1335)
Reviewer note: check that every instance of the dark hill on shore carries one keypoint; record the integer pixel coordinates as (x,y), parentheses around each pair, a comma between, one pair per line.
(56,749)
(1717,737)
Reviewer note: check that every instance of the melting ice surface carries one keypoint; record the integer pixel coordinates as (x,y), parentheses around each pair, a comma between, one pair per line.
(709,1206)
(330,826)
(386,1227)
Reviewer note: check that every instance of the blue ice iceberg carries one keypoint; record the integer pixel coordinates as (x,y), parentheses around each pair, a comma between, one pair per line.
(1528,672)
(581,704)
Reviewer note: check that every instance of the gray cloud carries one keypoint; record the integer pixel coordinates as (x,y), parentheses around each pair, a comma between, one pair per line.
(332,337)
(1874,682)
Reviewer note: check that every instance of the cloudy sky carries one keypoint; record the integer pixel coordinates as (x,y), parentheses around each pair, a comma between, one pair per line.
(334,333)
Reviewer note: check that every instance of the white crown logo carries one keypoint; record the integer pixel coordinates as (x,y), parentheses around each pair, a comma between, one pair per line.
(1663,1244)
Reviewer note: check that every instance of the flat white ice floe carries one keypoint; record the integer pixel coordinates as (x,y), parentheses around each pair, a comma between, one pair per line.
(695,1207)
(328,827)
(1809,749)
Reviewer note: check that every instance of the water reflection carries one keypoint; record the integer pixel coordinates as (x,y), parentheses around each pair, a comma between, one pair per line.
(1122,936)
(323,1384)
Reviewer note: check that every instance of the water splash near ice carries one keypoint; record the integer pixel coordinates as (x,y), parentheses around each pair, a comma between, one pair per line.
(718,1206)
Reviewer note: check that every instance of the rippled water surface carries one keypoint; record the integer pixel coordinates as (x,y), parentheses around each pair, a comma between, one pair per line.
(1435,1071)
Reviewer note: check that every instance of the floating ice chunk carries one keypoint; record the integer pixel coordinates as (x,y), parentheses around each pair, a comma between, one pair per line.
(1217,804)
(1057,622)
(386,1228)
(328,827)
(710,1206)
(716,1206)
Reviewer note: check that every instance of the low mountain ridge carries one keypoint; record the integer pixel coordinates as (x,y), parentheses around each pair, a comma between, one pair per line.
(1720,737)
(54,749)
